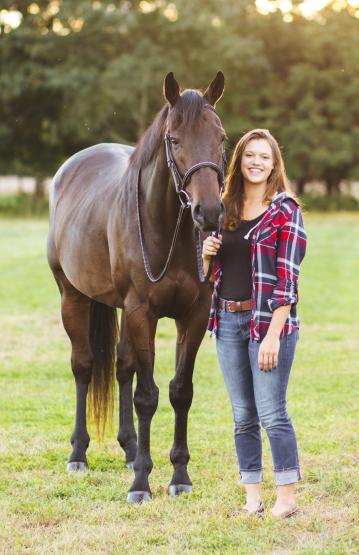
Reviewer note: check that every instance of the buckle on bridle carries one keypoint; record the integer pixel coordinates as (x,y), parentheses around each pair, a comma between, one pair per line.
(184,198)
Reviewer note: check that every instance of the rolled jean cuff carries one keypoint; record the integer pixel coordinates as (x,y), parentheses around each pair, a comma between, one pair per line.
(251,476)
(285,477)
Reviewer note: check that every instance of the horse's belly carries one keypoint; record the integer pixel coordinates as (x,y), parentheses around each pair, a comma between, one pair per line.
(83,257)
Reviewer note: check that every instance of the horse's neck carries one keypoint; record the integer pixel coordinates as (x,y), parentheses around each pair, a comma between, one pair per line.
(158,195)
(160,207)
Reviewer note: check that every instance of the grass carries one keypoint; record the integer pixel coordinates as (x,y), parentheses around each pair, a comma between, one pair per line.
(42,509)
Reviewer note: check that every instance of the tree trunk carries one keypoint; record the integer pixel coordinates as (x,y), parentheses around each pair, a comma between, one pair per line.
(39,193)
(332,186)
(300,186)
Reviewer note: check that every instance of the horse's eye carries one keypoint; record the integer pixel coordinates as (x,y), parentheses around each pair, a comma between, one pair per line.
(174,141)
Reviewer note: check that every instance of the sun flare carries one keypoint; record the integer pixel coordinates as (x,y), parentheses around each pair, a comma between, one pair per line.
(307,7)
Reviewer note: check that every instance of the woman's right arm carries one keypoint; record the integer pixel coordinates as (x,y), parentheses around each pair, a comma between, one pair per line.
(210,248)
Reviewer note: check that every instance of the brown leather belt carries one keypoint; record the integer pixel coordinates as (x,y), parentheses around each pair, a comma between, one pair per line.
(235,306)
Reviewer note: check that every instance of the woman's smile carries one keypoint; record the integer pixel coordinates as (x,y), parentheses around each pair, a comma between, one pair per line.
(257,161)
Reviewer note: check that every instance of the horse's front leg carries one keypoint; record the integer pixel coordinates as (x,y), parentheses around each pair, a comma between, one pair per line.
(142,328)
(190,333)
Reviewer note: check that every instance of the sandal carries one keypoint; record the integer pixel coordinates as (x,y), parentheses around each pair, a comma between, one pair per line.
(287,513)
(259,511)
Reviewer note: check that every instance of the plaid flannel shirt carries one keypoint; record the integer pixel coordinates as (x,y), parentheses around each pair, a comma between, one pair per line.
(278,246)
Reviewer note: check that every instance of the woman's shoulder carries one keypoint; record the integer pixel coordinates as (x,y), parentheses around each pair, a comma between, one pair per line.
(286,202)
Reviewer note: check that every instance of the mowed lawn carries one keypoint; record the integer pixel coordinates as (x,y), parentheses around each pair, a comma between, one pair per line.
(45,510)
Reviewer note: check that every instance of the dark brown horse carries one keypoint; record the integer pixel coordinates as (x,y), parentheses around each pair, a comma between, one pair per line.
(112,207)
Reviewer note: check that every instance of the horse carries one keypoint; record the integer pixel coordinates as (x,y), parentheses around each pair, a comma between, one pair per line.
(115,213)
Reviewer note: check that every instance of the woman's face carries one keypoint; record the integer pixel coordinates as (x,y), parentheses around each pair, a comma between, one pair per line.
(257,161)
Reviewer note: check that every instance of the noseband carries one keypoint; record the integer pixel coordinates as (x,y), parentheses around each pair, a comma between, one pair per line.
(181,181)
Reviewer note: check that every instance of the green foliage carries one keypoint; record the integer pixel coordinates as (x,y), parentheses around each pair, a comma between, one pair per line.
(23,204)
(332,203)
(78,73)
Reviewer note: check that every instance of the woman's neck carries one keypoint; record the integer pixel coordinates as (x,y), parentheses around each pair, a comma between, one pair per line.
(253,201)
(254,193)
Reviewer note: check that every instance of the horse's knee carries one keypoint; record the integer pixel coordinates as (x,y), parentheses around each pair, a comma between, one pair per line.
(124,372)
(82,367)
(146,402)
(181,396)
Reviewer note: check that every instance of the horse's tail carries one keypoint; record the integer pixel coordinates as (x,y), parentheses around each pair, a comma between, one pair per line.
(103,338)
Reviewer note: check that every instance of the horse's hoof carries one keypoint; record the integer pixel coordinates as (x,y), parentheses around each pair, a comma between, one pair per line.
(138,497)
(130,464)
(177,489)
(76,467)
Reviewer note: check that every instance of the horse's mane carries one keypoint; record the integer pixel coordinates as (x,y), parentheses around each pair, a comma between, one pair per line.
(186,110)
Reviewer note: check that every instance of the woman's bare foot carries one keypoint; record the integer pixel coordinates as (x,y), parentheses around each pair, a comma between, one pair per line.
(285,504)
(253,498)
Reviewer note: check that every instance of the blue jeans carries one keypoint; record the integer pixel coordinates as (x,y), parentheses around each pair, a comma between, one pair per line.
(257,397)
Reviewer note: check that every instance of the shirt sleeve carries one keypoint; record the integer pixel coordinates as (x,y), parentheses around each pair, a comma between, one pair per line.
(291,247)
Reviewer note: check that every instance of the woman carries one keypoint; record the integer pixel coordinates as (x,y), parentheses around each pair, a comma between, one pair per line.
(253,313)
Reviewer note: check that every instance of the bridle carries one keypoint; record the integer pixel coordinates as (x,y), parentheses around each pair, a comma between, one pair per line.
(180,182)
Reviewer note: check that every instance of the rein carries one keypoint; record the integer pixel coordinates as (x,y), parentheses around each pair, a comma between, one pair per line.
(180,183)
(146,262)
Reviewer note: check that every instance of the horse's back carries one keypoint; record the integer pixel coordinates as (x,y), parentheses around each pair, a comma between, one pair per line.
(81,196)
(93,171)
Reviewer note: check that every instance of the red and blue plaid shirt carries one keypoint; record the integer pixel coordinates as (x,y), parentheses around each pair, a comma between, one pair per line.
(278,245)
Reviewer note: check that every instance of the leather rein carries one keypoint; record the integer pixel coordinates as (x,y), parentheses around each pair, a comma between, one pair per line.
(180,182)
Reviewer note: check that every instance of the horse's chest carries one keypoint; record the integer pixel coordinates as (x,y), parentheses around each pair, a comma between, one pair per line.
(174,295)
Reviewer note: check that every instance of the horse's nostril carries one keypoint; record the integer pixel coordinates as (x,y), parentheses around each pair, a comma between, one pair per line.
(197,213)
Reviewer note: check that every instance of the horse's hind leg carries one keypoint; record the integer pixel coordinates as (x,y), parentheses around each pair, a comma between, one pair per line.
(75,310)
(127,436)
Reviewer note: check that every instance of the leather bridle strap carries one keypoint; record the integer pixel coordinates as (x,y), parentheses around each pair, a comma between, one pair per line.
(181,181)
(149,273)
(200,165)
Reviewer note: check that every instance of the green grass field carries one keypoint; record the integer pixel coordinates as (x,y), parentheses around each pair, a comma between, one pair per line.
(44,510)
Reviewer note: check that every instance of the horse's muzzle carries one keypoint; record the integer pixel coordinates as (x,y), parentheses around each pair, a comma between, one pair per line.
(208,217)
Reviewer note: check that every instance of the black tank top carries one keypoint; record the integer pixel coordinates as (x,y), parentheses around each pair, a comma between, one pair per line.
(235,261)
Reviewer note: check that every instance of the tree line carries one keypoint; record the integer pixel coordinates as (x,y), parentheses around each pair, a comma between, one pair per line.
(77,73)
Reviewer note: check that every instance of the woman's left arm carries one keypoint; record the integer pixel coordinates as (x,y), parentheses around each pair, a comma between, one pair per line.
(269,349)
(290,252)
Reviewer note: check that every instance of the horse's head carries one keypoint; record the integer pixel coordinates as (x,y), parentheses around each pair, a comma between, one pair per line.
(195,144)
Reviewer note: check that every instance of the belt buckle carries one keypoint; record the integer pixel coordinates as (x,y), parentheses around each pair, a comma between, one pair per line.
(229,304)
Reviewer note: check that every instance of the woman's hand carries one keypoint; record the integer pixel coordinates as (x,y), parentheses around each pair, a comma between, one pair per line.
(268,352)
(211,246)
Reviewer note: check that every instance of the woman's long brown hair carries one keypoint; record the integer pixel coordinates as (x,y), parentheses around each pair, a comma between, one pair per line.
(233,197)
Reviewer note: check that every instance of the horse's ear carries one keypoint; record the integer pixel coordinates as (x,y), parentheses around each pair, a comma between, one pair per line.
(171,88)
(215,90)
